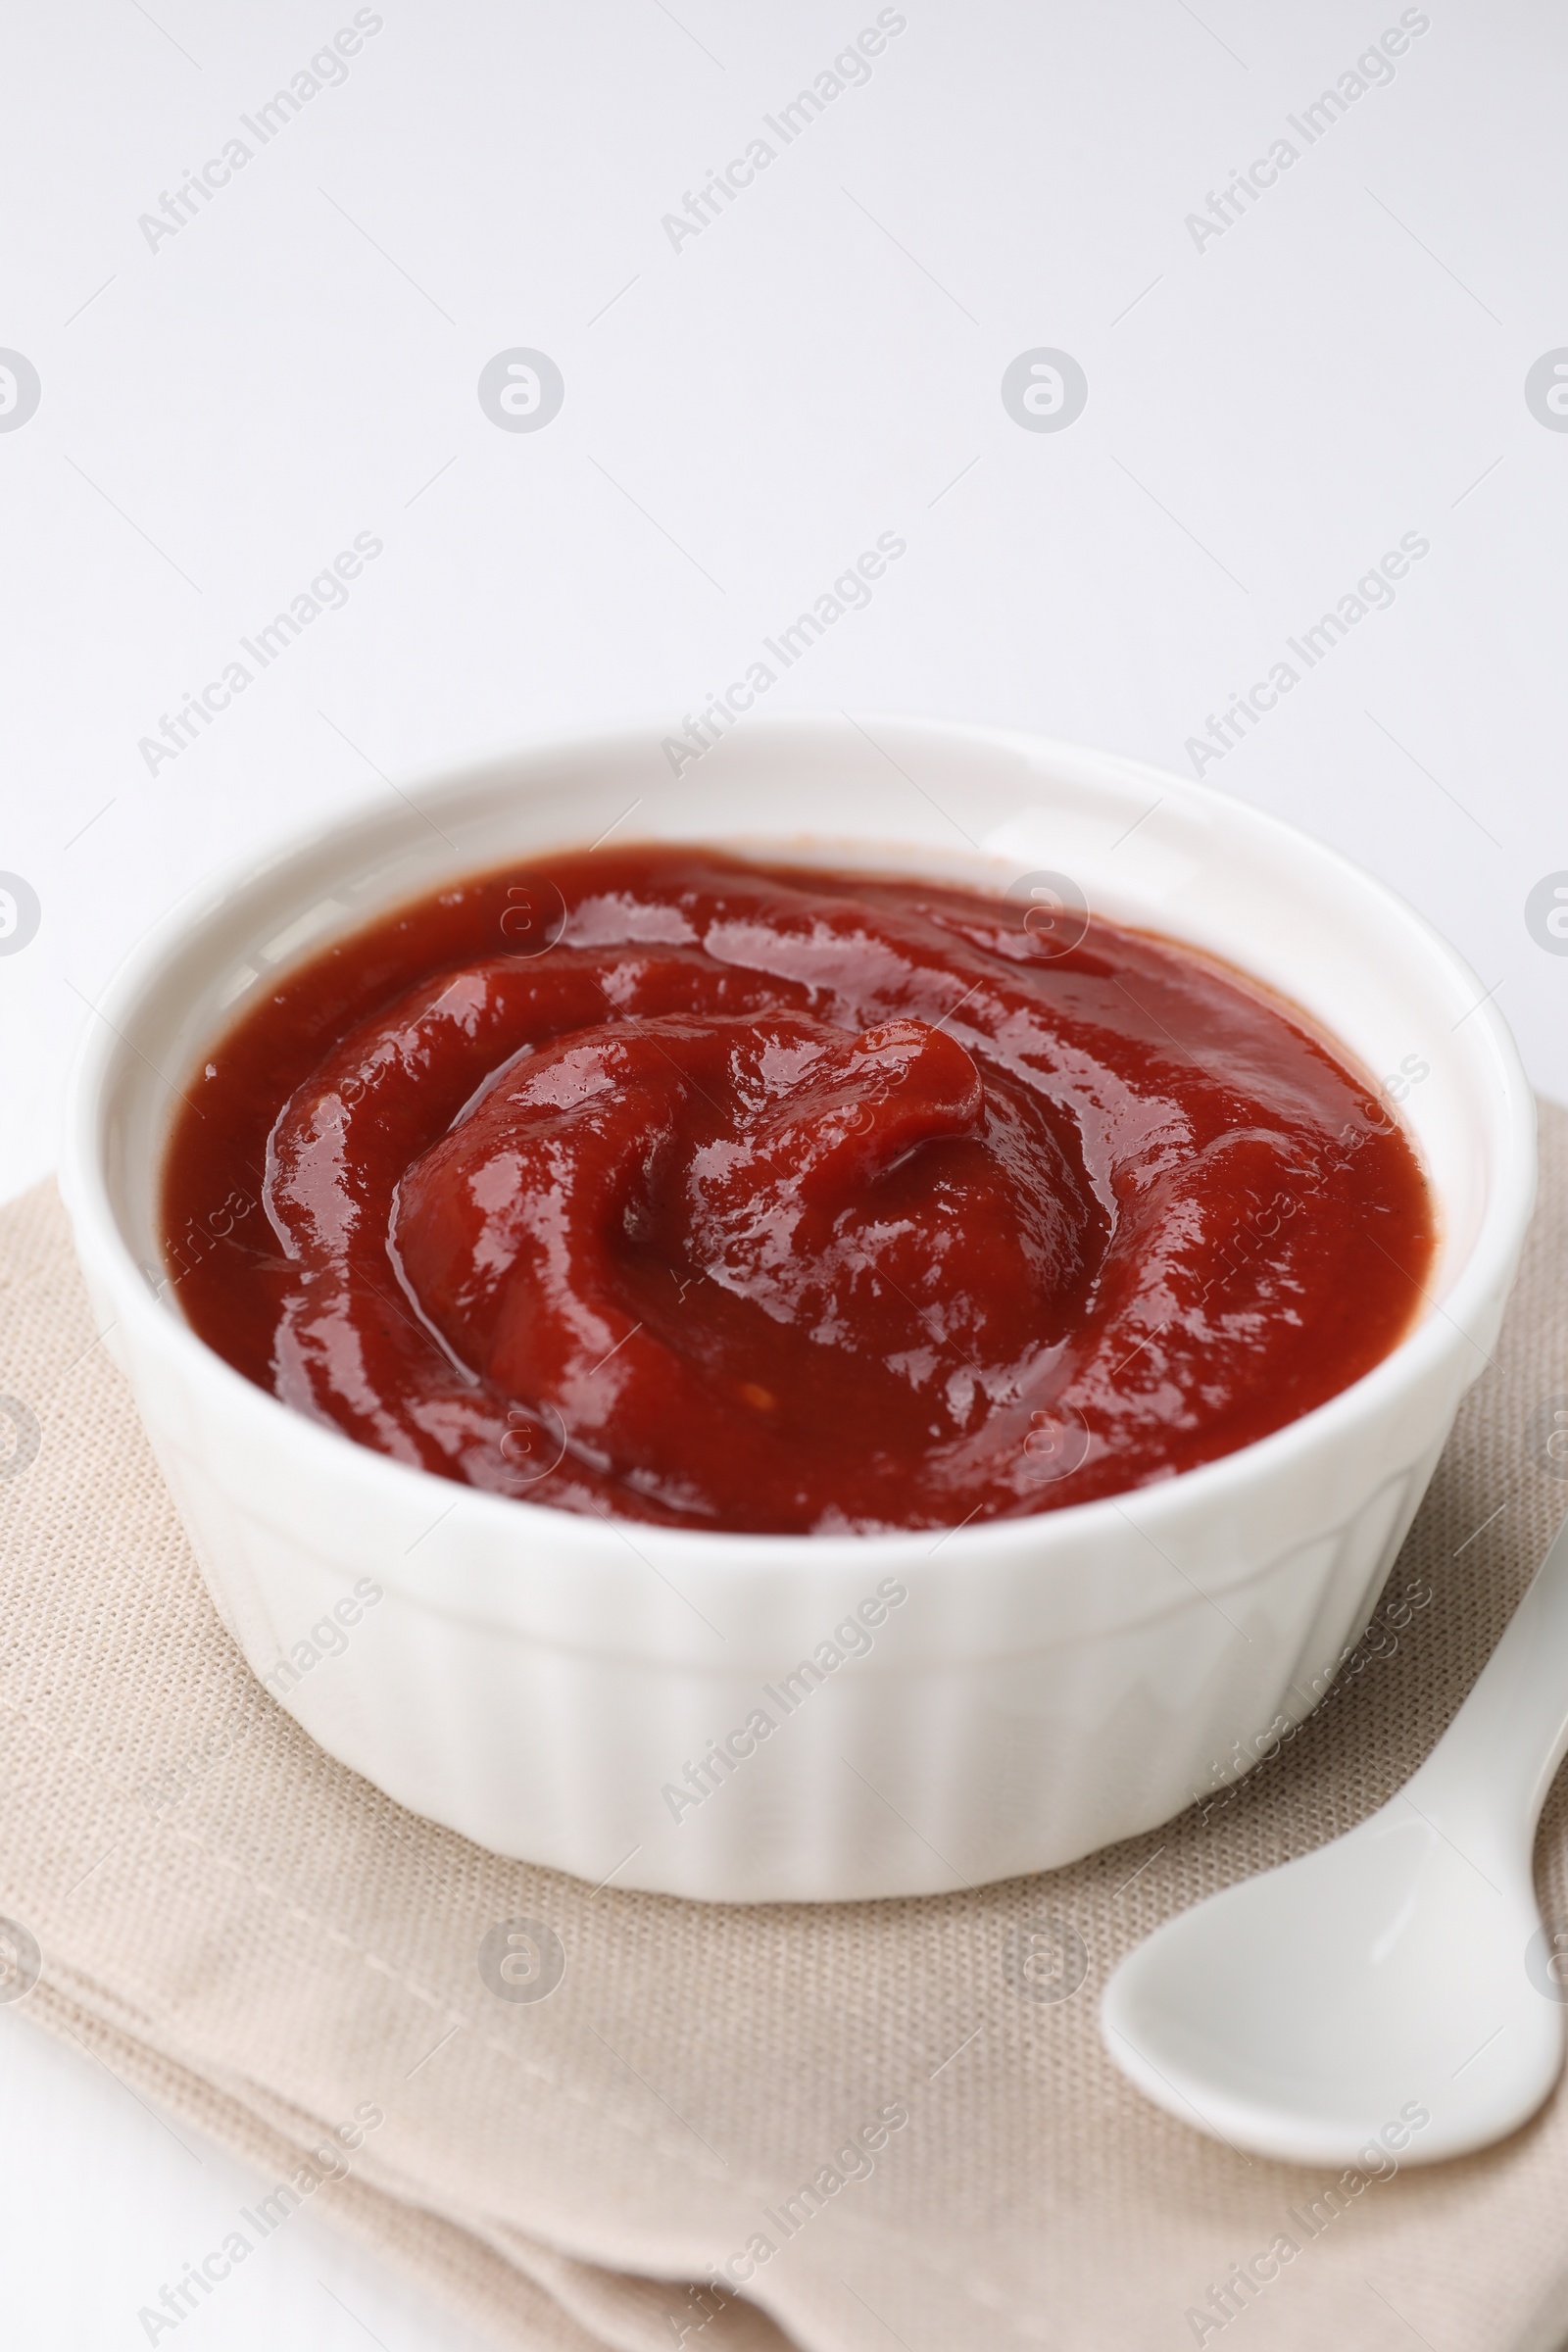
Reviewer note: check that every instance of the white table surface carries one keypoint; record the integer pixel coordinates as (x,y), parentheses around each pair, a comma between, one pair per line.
(224,407)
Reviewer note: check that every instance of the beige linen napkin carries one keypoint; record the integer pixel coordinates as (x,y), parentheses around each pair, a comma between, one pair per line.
(260,1942)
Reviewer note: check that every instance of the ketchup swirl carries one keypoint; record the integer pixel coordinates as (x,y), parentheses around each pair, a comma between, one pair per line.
(753,1198)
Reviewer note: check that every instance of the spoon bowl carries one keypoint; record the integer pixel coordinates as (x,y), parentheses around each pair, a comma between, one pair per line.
(1306,2013)
(1314,2012)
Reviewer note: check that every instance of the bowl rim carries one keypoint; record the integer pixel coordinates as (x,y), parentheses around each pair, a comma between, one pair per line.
(85,1186)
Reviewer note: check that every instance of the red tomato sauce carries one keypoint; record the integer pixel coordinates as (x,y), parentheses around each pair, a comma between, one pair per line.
(656,1183)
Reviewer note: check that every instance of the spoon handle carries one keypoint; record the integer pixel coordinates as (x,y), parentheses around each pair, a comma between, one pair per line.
(1496,1760)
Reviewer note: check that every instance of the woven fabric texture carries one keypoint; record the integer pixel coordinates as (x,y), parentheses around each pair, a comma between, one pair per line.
(261,1943)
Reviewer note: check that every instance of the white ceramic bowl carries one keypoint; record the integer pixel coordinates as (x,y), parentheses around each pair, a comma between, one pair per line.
(539,1681)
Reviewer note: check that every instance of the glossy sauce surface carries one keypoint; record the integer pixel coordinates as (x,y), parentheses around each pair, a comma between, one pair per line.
(657,1183)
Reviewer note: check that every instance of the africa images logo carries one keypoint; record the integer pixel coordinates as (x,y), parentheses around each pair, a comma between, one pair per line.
(1546,913)
(522,390)
(1045,390)
(19,390)
(1545,390)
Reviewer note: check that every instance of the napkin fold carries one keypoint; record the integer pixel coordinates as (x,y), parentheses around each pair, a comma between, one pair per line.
(874,2123)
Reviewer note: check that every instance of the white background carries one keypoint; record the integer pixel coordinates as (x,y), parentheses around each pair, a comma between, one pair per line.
(223,413)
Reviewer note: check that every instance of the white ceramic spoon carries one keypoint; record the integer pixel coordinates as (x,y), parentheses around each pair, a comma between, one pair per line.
(1401,1967)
